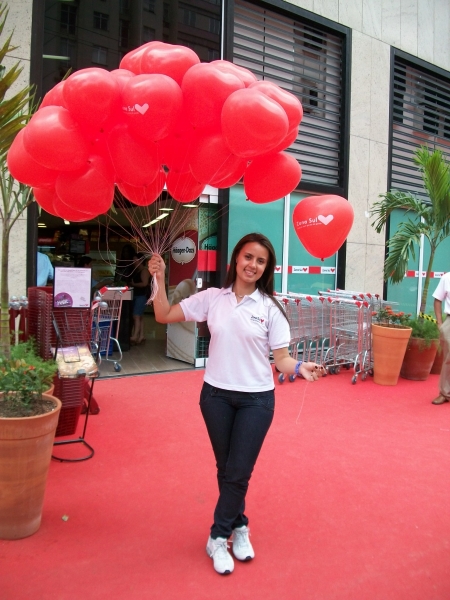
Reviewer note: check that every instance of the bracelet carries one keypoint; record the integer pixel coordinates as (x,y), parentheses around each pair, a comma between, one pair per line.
(297,367)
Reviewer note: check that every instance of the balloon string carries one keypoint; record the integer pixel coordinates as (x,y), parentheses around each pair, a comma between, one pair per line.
(303,401)
(155,288)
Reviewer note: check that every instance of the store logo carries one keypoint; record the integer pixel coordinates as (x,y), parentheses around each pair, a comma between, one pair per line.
(325,220)
(183,250)
(137,108)
(63,300)
(209,243)
(257,319)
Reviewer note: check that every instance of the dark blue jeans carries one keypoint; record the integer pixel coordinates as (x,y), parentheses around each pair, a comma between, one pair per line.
(237,423)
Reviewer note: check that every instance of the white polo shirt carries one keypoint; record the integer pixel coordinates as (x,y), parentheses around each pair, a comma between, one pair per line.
(241,337)
(442,292)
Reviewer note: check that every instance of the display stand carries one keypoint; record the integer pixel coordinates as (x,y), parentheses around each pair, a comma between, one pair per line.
(73,354)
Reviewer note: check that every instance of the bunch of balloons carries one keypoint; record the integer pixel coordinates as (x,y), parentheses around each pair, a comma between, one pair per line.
(162,118)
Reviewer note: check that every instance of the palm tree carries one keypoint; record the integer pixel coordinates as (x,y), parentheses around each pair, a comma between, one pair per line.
(15,111)
(430,217)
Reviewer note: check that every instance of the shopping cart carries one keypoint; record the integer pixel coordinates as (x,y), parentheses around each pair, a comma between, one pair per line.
(105,330)
(76,357)
(308,322)
(333,329)
(350,337)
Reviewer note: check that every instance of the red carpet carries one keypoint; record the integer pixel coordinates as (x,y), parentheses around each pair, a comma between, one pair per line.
(349,499)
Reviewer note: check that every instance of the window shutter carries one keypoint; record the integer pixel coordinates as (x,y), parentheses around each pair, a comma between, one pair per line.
(305,60)
(420,116)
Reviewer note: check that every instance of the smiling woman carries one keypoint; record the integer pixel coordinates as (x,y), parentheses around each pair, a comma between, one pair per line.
(237,400)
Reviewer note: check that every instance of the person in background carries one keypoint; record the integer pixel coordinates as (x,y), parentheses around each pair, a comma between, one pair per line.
(140,281)
(44,269)
(442,297)
(237,400)
(125,265)
(85,262)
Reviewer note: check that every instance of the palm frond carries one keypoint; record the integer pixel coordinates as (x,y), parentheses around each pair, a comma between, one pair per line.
(390,201)
(9,78)
(400,247)
(435,174)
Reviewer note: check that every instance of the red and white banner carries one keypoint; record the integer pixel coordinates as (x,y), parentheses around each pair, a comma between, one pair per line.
(307,270)
(433,274)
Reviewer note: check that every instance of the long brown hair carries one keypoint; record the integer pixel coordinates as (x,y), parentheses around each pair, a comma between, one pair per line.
(265,283)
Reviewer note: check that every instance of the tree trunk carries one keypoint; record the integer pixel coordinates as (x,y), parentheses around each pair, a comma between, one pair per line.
(426,285)
(5,335)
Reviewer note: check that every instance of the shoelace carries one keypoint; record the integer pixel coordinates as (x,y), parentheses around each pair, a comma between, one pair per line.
(220,547)
(241,537)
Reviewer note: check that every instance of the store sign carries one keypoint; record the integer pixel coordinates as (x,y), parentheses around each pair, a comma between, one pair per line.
(183,250)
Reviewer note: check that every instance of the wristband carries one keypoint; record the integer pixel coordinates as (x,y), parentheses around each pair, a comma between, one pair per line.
(297,367)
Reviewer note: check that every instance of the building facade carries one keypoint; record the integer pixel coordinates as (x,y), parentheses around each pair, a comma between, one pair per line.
(373,77)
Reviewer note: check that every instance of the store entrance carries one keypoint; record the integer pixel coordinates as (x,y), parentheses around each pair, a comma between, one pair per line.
(147,357)
(111,245)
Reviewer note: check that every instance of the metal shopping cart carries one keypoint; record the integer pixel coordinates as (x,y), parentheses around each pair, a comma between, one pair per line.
(106,323)
(308,321)
(333,329)
(350,337)
(76,356)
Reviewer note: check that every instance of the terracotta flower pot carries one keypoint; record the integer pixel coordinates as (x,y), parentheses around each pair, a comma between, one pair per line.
(388,346)
(437,364)
(418,360)
(25,452)
(51,390)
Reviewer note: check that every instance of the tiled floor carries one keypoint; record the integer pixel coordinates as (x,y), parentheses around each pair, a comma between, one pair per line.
(149,357)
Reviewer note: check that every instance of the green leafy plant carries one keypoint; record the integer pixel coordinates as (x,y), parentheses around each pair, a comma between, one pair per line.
(428,217)
(24,377)
(424,329)
(388,317)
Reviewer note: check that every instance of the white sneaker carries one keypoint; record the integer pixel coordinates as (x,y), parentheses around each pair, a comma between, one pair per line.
(242,547)
(218,550)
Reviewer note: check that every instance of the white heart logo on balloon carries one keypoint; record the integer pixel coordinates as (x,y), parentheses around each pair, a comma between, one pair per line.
(141,109)
(325,220)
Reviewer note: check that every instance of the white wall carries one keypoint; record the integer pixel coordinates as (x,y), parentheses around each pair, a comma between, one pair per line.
(19,22)
(419,27)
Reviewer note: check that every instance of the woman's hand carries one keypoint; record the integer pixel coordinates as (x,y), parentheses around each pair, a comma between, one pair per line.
(311,371)
(157,267)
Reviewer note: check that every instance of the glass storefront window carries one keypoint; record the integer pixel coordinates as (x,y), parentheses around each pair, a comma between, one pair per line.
(102,37)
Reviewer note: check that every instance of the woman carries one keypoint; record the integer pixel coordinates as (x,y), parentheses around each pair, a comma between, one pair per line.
(237,399)
(140,281)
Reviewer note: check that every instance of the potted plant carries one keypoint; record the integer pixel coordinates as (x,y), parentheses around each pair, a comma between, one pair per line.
(390,335)
(421,350)
(15,111)
(428,217)
(28,421)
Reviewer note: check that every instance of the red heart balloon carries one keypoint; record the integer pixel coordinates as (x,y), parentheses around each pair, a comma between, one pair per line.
(25,169)
(151,105)
(322,224)
(183,187)
(54,139)
(253,123)
(90,190)
(168,59)
(271,177)
(205,90)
